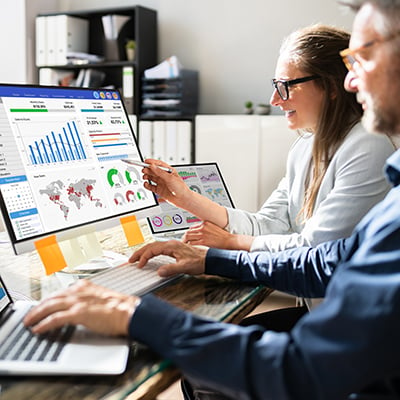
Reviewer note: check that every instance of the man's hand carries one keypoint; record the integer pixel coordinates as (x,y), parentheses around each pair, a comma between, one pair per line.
(189,259)
(95,307)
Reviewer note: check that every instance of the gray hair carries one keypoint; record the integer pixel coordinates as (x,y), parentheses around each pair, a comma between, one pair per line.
(383,5)
(388,9)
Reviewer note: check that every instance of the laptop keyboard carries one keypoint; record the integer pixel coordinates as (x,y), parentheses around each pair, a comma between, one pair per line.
(23,345)
(128,279)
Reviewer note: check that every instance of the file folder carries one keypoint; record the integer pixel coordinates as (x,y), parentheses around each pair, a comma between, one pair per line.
(159,145)
(184,142)
(41,41)
(72,35)
(146,138)
(171,128)
(58,35)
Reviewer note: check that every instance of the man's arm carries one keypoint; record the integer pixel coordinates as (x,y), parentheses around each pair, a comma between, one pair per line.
(343,345)
(303,271)
(346,343)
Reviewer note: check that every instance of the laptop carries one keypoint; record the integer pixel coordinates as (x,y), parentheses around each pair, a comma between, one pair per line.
(69,351)
(203,178)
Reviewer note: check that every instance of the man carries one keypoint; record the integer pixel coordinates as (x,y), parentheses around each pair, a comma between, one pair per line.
(350,343)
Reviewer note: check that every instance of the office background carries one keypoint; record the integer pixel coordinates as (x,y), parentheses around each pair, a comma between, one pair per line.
(233,43)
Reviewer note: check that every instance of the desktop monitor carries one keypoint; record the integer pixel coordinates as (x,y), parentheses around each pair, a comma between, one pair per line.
(60,163)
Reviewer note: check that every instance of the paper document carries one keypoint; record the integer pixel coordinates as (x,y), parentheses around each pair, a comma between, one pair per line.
(112,25)
(77,57)
(170,68)
(166,102)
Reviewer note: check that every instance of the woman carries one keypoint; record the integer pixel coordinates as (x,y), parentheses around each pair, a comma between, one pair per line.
(332,177)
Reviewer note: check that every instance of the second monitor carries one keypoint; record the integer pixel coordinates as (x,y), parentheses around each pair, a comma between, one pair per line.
(203,178)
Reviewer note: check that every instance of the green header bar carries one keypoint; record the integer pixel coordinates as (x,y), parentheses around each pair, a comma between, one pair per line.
(29,110)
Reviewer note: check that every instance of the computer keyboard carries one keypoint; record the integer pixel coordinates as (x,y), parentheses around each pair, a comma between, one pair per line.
(131,280)
(22,344)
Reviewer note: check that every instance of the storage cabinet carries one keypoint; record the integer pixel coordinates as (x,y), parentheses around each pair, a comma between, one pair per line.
(170,140)
(141,27)
(251,151)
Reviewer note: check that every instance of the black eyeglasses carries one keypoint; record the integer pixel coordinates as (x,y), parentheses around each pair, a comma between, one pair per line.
(282,87)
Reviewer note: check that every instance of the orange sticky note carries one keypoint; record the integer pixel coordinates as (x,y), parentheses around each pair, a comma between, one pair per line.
(132,230)
(50,254)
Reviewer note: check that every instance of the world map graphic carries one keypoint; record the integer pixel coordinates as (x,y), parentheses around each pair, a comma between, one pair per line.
(75,194)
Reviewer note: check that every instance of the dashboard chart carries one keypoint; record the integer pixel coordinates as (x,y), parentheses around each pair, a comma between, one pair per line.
(61,152)
(46,144)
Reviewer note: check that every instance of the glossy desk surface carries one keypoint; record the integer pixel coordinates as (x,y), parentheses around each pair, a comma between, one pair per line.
(147,374)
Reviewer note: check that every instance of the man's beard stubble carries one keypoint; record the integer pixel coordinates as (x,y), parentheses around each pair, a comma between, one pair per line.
(377,119)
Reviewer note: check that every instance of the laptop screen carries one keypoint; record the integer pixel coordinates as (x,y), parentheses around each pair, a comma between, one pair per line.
(61,168)
(204,178)
(4,297)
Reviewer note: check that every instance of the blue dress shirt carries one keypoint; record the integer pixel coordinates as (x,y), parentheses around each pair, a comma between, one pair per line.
(350,340)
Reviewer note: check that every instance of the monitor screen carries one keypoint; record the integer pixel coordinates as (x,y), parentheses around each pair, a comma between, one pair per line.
(203,178)
(60,163)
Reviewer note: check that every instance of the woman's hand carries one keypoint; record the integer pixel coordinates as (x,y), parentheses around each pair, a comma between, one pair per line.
(171,187)
(167,185)
(211,235)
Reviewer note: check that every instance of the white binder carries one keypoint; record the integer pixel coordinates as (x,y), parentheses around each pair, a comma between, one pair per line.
(159,147)
(171,128)
(58,35)
(184,142)
(72,36)
(51,36)
(146,138)
(41,41)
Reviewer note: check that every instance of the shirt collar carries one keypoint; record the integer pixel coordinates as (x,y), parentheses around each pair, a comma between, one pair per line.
(393,168)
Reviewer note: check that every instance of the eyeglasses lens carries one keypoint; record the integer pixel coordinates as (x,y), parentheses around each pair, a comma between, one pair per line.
(350,61)
(282,90)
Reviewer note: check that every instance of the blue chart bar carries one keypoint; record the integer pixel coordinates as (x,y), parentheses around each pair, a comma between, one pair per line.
(58,147)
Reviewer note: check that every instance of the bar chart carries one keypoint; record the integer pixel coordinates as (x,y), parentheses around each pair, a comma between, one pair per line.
(57,146)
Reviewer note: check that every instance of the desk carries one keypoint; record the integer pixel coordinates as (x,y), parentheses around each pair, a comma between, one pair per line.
(147,374)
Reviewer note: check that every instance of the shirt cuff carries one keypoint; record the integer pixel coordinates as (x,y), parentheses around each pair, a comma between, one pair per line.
(222,262)
(152,312)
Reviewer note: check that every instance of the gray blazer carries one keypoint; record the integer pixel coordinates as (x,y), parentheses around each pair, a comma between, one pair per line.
(353,183)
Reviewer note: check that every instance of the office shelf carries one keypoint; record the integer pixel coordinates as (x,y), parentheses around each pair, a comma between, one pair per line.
(141,27)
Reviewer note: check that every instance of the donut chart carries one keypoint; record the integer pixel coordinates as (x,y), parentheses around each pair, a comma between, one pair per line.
(167,220)
(157,221)
(132,176)
(114,177)
(130,196)
(119,199)
(195,188)
(177,218)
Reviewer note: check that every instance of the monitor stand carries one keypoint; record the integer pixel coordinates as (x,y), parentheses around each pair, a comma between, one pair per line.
(84,255)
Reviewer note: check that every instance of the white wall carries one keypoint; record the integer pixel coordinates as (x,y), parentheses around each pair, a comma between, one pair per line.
(233,43)
(13,66)
(17,38)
